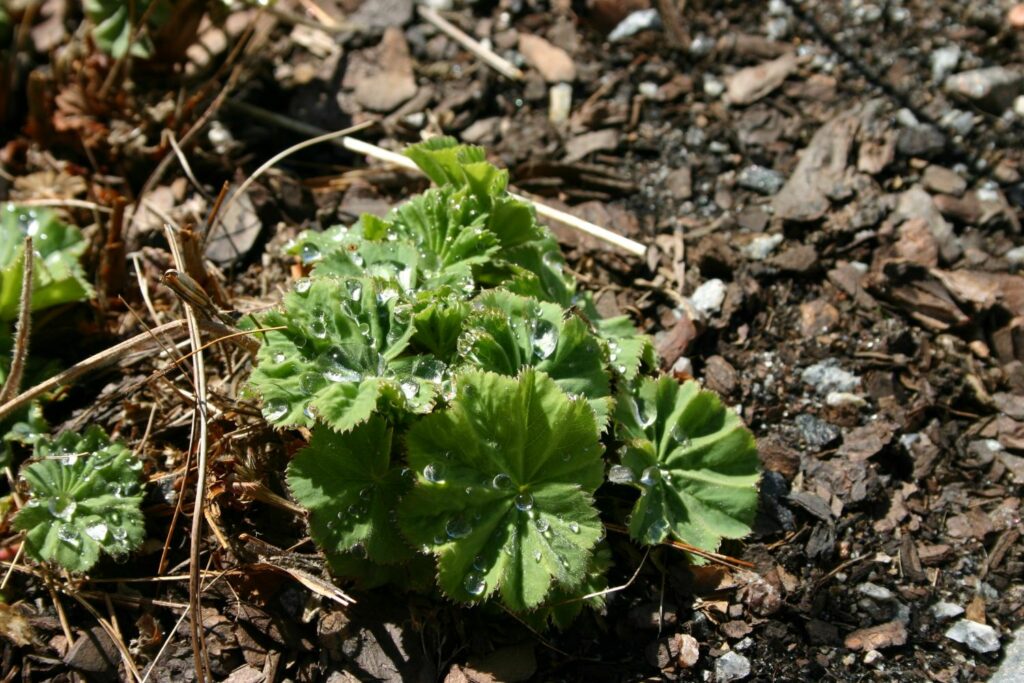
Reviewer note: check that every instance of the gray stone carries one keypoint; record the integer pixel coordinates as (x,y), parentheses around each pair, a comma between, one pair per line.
(761,246)
(816,432)
(641,20)
(762,180)
(1012,668)
(731,667)
(876,592)
(993,88)
(709,296)
(944,611)
(978,637)
(943,61)
(921,141)
(827,377)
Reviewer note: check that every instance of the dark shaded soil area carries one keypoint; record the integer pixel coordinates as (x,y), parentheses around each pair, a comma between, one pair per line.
(831,197)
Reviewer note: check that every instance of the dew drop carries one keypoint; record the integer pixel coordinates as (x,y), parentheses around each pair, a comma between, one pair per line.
(67,534)
(97,532)
(434,473)
(310,253)
(440,540)
(355,291)
(310,383)
(680,435)
(479,563)
(318,328)
(524,501)
(279,357)
(359,550)
(650,476)
(410,389)
(274,410)
(536,555)
(302,285)
(62,507)
(574,527)
(475,584)
(338,370)
(545,339)
(366,493)
(656,531)
(619,474)
(120,534)
(458,527)
(542,524)
(502,482)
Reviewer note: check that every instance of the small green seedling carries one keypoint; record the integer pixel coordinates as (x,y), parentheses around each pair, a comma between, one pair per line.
(85,498)
(466,404)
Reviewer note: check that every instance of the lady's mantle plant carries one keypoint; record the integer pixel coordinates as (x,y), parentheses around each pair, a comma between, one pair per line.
(466,403)
(85,498)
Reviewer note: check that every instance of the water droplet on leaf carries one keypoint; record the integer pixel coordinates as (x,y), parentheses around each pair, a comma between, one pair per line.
(502,482)
(434,473)
(475,584)
(302,285)
(458,527)
(619,474)
(274,410)
(524,501)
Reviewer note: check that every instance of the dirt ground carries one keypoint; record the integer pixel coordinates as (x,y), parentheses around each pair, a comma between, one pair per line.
(831,196)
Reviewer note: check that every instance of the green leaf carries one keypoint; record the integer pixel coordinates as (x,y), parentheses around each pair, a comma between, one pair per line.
(85,498)
(58,277)
(113,23)
(510,332)
(504,488)
(438,321)
(351,489)
(338,356)
(628,350)
(694,461)
(443,159)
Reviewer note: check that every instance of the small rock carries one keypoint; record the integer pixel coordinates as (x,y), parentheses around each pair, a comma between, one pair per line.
(943,611)
(1011,670)
(731,667)
(735,629)
(384,78)
(942,180)
(876,592)
(709,296)
(943,61)
(720,376)
(552,62)
(712,86)
(679,183)
(1015,256)
(1018,106)
(482,131)
(382,14)
(817,317)
(816,432)
(689,650)
(751,84)
(762,180)
(827,377)
(917,244)
(580,146)
(761,246)
(872,657)
(921,141)
(801,258)
(978,637)
(992,88)
(840,399)
(1015,17)
(889,634)
(641,20)
(559,102)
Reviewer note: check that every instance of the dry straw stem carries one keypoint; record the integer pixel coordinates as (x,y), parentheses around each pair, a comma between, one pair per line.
(502,66)
(199,446)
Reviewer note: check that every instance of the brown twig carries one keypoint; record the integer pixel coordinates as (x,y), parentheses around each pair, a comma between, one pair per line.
(23,328)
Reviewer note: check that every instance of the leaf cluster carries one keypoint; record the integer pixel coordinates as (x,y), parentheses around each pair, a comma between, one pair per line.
(466,403)
(57,274)
(85,498)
